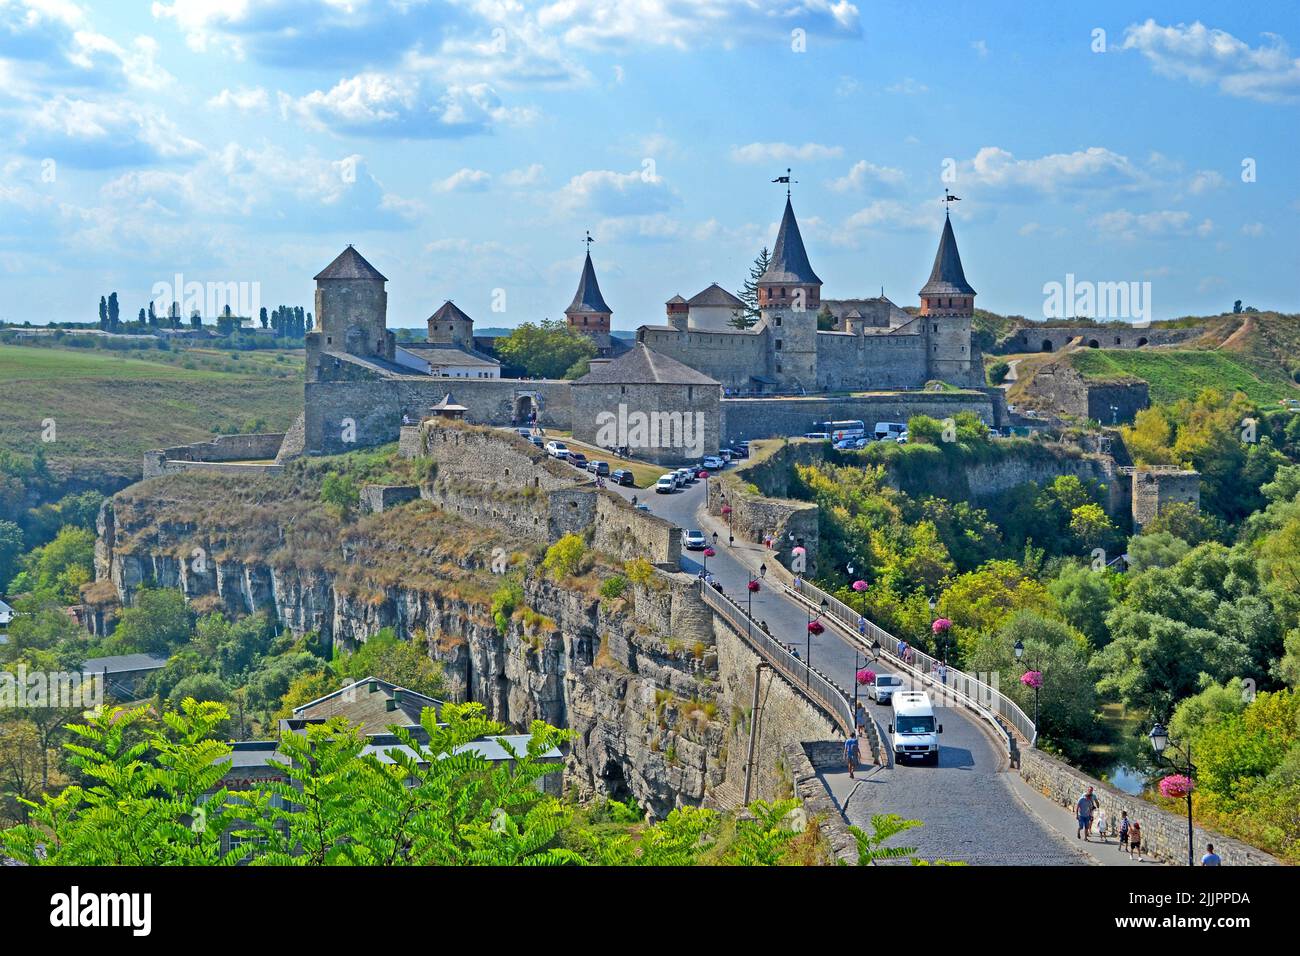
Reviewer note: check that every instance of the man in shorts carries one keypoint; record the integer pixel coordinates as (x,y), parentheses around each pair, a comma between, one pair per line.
(1083,814)
(851,753)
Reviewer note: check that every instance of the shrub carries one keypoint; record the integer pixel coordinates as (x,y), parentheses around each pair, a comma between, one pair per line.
(564,557)
(614,587)
(639,571)
(340,494)
(504,601)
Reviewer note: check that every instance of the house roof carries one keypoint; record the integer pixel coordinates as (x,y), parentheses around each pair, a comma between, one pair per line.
(947,277)
(350,264)
(124,662)
(448,404)
(716,295)
(449,312)
(489,748)
(643,366)
(789,262)
(386,686)
(676,300)
(588,297)
(446,355)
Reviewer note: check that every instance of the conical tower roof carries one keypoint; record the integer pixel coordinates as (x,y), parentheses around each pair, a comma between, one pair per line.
(350,264)
(947,277)
(588,297)
(789,262)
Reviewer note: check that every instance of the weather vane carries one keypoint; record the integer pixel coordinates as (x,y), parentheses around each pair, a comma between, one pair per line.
(787,180)
(947,199)
(589,240)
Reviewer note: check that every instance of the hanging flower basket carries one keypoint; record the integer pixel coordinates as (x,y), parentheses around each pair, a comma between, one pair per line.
(1032,679)
(1175,786)
(815,627)
(709,552)
(865,676)
(726,509)
(859,586)
(753,587)
(941,625)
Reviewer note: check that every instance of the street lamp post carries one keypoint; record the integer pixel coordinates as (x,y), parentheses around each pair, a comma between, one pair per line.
(1160,743)
(1020,651)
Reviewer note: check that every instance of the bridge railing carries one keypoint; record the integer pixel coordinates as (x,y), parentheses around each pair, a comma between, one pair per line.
(958,682)
(806,679)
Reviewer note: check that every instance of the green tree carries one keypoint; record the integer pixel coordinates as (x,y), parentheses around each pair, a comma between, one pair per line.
(749,294)
(564,558)
(340,494)
(156,623)
(549,349)
(11,548)
(1083,598)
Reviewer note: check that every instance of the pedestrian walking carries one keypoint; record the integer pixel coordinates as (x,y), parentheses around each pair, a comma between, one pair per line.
(851,753)
(1099,824)
(1211,858)
(1135,841)
(1123,830)
(942,673)
(1083,811)
(862,626)
(860,721)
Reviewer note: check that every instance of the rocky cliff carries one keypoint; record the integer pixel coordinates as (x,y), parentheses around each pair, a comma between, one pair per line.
(635,678)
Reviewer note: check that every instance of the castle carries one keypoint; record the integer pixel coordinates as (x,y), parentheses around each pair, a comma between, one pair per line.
(360,384)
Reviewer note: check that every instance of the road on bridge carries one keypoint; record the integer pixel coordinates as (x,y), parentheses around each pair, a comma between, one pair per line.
(967,803)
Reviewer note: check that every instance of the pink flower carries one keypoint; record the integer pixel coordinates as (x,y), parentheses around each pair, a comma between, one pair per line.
(1032,679)
(709,552)
(859,586)
(753,586)
(726,509)
(816,627)
(1175,786)
(865,676)
(941,625)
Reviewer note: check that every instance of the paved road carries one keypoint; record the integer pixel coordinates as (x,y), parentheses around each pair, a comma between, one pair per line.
(967,803)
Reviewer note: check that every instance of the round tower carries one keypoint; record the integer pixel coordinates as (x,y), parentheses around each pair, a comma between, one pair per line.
(789,297)
(947,308)
(588,313)
(352,308)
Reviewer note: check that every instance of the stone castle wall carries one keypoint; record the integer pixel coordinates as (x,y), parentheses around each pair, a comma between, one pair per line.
(1065,389)
(375,406)
(695,408)
(847,361)
(729,357)
(1034,338)
(1154,490)
(777,417)
(221,450)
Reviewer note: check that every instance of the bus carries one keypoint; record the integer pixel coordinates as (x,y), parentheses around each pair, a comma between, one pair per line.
(841,430)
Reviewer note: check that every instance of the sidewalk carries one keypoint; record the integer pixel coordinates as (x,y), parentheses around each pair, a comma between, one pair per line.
(1061,821)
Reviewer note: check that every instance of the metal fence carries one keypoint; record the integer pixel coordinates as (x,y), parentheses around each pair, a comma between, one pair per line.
(957,682)
(806,679)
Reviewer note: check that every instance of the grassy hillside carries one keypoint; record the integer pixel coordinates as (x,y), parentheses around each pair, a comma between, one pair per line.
(109,409)
(1175,374)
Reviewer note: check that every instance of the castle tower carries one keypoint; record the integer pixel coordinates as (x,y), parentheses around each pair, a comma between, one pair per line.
(789,297)
(352,308)
(947,307)
(588,313)
(450,326)
(678,313)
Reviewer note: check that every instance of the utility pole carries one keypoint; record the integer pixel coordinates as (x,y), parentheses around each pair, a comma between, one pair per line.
(753,732)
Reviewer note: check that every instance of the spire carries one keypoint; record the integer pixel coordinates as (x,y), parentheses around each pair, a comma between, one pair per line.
(350,264)
(588,297)
(789,263)
(947,277)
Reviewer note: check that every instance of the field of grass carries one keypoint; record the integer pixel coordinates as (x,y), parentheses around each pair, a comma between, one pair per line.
(108,409)
(1175,374)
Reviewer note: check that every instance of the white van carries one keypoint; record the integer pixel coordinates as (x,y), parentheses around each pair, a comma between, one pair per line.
(913,732)
(889,431)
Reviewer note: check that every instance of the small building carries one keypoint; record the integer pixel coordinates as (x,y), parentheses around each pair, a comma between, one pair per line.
(6,614)
(371,702)
(654,406)
(713,309)
(1153,489)
(125,674)
(448,408)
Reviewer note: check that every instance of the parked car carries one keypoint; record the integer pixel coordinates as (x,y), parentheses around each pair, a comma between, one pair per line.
(524,432)
(577,459)
(623,477)
(666,485)
(557,449)
(846,444)
(902,439)
(822,435)
(881,690)
(536,440)
(600,468)
(693,540)
(712,463)
(688,476)
(741,449)
(643,507)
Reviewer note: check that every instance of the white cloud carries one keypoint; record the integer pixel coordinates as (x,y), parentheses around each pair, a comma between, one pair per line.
(783,152)
(1093,168)
(616,194)
(1157,224)
(465,180)
(907,87)
(243,100)
(1267,73)
(102,133)
(523,177)
(1204,181)
(1253,229)
(864,173)
(887,215)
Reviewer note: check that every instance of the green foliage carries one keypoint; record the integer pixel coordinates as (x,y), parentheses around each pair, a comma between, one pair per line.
(546,349)
(11,548)
(1083,598)
(613,587)
(404,663)
(340,494)
(997,372)
(505,599)
(564,558)
(1158,549)
(884,826)
(156,623)
(60,568)
(639,571)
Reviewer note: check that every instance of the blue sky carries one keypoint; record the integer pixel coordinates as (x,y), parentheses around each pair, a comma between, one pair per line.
(465,147)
